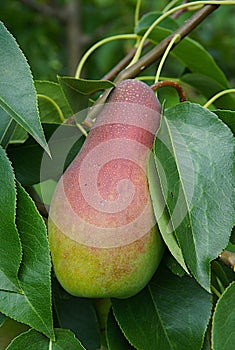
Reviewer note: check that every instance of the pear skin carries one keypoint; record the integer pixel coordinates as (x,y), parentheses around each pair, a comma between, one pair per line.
(103,235)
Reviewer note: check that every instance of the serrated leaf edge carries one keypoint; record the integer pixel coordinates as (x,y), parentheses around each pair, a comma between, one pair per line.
(215,310)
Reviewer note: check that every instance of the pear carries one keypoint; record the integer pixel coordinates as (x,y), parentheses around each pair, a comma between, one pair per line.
(102,232)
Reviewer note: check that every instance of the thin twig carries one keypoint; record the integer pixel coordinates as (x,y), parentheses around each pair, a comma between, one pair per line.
(150,57)
(178,13)
(123,63)
(88,122)
(155,53)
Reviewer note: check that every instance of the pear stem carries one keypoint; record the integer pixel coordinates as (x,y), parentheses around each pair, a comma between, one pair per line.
(195,4)
(173,84)
(102,306)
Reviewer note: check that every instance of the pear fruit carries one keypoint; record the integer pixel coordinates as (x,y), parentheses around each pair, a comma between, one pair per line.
(103,236)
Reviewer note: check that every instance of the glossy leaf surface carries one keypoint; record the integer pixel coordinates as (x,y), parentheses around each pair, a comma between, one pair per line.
(32,305)
(194,160)
(170,313)
(10,247)
(17,92)
(33,340)
(223,336)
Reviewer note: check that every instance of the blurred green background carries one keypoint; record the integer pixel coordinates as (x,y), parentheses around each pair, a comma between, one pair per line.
(54,34)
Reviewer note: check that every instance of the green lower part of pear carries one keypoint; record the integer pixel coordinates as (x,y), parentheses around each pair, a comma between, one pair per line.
(118,272)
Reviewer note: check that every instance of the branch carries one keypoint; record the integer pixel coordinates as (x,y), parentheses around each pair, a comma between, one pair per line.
(155,53)
(178,13)
(122,64)
(228,258)
(150,57)
(74,34)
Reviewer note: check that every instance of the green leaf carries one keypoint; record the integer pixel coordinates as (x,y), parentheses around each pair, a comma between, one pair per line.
(162,214)
(7,127)
(231,247)
(65,142)
(33,306)
(115,338)
(26,158)
(33,340)
(220,278)
(171,313)
(17,92)
(84,86)
(10,247)
(191,54)
(10,131)
(223,336)
(209,87)
(77,91)
(228,118)
(78,315)
(194,159)
(53,106)
(173,265)
(148,19)
(19,135)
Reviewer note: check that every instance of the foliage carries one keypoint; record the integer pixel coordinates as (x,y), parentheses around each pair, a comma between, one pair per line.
(43,124)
